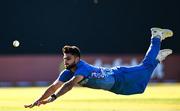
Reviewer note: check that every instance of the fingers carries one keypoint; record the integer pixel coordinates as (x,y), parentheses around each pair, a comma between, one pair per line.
(29,106)
(38,103)
(26,106)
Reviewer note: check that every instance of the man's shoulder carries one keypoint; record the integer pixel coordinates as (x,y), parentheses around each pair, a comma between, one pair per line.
(82,68)
(66,71)
(82,63)
(65,75)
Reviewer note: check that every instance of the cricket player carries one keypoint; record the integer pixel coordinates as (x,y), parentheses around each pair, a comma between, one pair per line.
(119,80)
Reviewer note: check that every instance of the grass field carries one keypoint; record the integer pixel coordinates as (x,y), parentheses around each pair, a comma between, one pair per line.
(157,97)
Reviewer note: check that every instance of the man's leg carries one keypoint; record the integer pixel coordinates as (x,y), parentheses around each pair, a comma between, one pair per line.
(133,80)
(154,55)
(157,36)
(151,54)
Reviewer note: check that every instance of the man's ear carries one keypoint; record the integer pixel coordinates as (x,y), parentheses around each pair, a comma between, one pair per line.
(77,59)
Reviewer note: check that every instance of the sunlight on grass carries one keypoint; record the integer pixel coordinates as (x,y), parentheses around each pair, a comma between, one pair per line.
(157,97)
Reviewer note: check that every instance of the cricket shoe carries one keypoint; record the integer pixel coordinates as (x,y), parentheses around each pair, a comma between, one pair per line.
(163,54)
(161,33)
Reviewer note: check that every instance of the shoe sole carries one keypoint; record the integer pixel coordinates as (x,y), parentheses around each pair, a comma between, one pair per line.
(166,32)
(163,54)
(168,51)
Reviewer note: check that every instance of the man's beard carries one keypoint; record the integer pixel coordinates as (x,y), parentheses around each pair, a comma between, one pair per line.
(71,66)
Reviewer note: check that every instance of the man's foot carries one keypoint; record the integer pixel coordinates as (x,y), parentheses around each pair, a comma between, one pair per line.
(163,54)
(161,33)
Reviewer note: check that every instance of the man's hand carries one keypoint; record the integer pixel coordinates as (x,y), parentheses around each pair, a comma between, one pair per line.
(46,101)
(29,106)
(42,100)
(38,103)
(32,105)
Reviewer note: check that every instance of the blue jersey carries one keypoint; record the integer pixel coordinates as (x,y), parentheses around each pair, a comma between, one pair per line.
(94,77)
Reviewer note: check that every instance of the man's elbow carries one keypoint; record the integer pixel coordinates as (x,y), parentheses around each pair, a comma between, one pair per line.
(56,85)
(69,86)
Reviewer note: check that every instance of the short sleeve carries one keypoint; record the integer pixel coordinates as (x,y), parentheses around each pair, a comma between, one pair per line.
(65,75)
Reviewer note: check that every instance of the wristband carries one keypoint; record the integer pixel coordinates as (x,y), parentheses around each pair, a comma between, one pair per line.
(54,96)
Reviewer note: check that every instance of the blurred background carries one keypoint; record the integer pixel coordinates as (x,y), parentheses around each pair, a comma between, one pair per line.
(108,32)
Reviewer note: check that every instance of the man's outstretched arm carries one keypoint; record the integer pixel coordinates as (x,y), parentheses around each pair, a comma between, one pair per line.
(51,89)
(68,86)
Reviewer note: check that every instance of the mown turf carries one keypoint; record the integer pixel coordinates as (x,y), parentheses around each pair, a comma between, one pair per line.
(157,97)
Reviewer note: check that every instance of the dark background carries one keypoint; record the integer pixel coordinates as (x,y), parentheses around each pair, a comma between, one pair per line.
(109,27)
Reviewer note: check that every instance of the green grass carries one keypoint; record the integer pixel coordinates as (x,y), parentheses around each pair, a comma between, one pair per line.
(157,97)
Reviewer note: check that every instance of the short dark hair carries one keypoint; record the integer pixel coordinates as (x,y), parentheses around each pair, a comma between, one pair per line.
(74,50)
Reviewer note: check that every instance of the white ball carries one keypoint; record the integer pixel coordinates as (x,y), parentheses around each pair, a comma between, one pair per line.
(16,43)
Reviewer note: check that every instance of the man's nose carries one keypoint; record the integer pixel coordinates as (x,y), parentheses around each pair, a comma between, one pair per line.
(65,63)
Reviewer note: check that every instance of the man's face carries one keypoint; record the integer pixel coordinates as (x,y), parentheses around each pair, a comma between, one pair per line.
(70,60)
